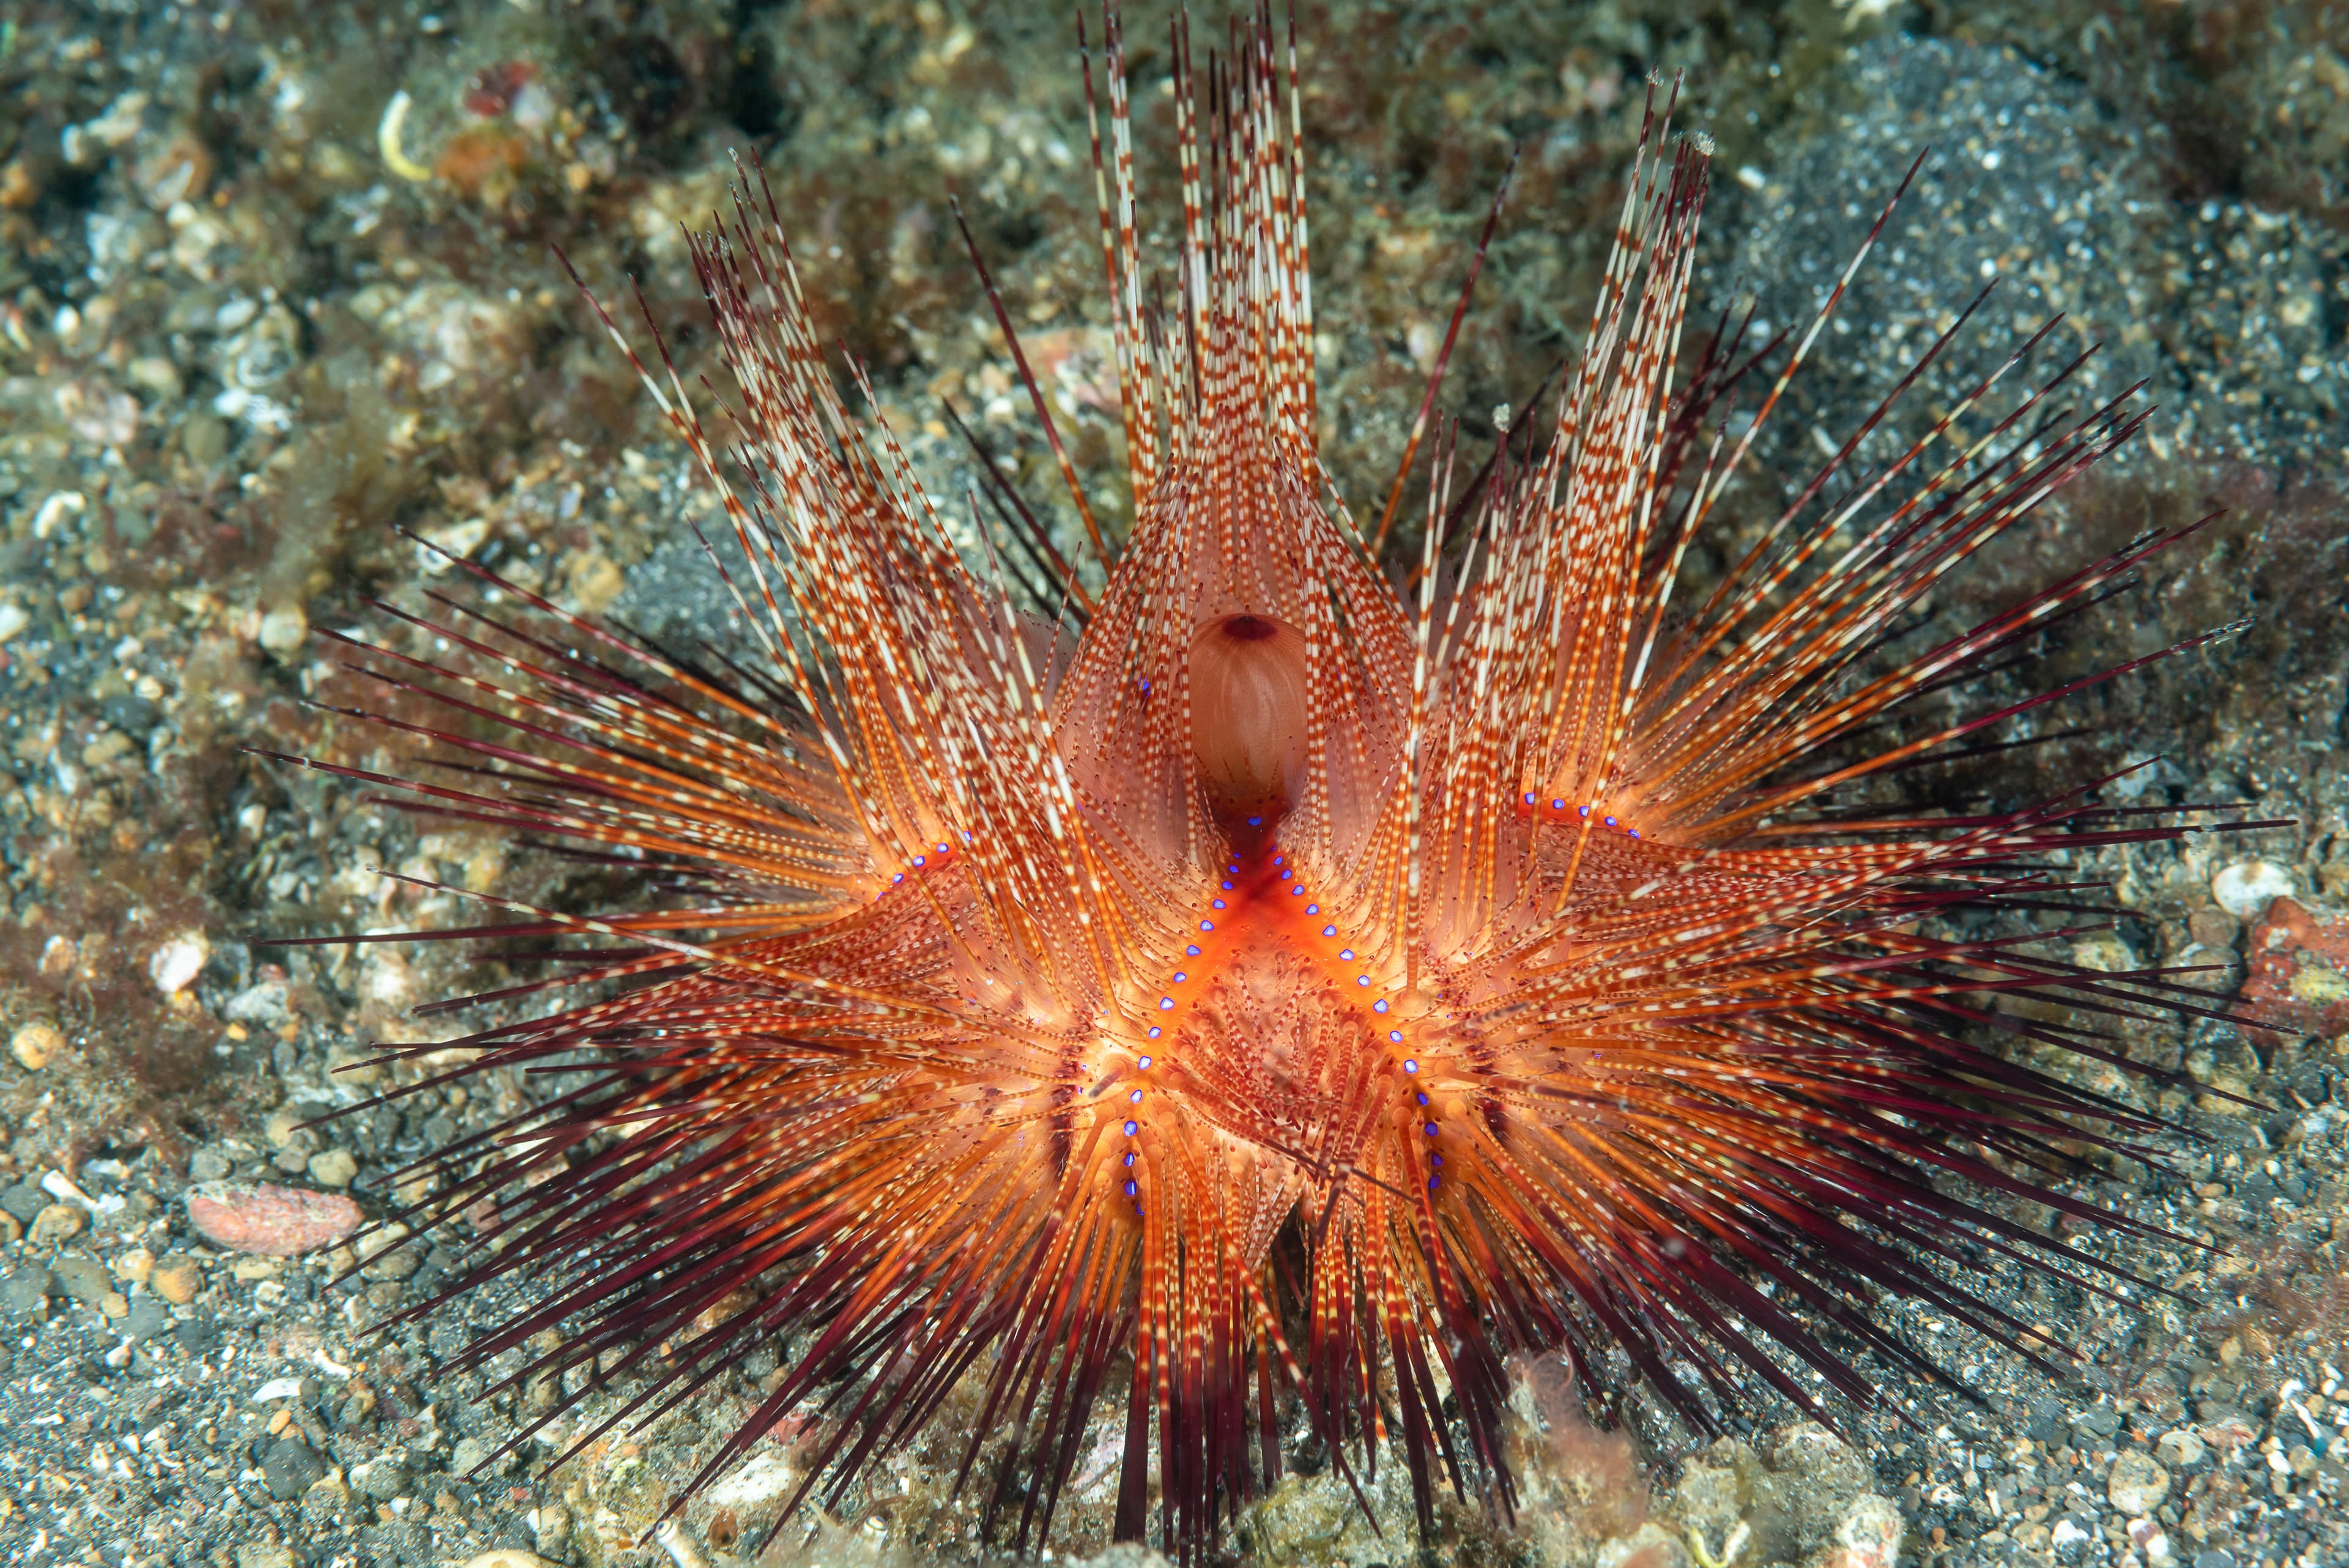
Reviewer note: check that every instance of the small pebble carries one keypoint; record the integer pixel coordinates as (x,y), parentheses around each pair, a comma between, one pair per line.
(1868,1535)
(35,1044)
(291,1467)
(135,1267)
(271,1221)
(2181,1448)
(57,1222)
(508,1557)
(177,1278)
(333,1167)
(382,1480)
(326,1499)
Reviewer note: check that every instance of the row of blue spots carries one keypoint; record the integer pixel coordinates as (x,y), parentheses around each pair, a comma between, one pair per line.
(1584,811)
(1430,1127)
(1344,954)
(1134,1188)
(921,860)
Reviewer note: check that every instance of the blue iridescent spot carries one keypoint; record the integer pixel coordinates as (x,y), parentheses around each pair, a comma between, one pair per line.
(1529,797)
(1635,832)
(1434,1182)
(1433,1130)
(1146,686)
(1297,892)
(1423,1096)
(1143,1064)
(1165,1004)
(1435,1159)
(921,860)
(1129,1153)
(1192,949)
(1328,930)
(1586,811)
(1361,980)
(1379,1005)
(1395,1037)
(1206,925)
(1557,805)
(1134,1097)
(1228,886)
(1284,874)
(1180,977)
(1611,822)
(1218,904)
(900,876)
(1312,908)
(1155,1032)
(1131,1128)
(1255,822)
(1343,952)
(943,849)
(1131,1187)
(1279,859)
(1410,1066)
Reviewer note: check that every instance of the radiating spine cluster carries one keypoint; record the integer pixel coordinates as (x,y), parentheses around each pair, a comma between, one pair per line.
(1281,1003)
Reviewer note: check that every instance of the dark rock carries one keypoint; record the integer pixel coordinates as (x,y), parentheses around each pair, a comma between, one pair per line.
(2047,1416)
(82,1278)
(2102,1420)
(131,714)
(147,1317)
(27,1289)
(195,1334)
(290,1468)
(384,1480)
(23,1200)
(208,1165)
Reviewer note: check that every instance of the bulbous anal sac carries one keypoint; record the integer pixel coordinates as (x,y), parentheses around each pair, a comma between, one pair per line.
(1248,716)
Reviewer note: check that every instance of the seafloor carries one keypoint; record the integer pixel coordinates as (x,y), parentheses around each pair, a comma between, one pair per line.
(253,323)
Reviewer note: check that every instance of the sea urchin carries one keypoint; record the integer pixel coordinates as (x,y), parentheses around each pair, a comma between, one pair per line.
(1316,980)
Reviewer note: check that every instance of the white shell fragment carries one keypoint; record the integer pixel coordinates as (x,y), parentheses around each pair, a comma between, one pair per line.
(2247,888)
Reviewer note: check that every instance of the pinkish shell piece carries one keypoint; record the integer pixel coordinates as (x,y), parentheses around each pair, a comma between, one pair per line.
(274,1222)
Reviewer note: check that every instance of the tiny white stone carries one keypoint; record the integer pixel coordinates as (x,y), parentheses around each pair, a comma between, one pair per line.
(179,960)
(283,630)
(12,619)
(2247,888)
(278,1388)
